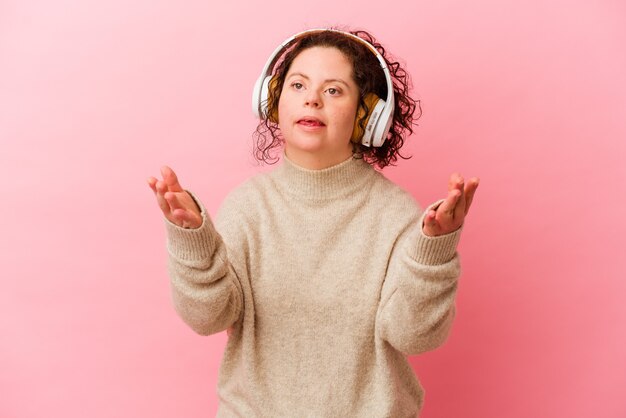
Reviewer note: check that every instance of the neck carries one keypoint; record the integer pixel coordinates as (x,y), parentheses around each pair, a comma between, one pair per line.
(316,161)
(345,178)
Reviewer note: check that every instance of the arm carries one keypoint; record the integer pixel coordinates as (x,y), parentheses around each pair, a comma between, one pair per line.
(417,303)
(417,300)
(206,292)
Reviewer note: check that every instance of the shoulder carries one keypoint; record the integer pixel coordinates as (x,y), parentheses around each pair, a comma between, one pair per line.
(393,196)
(243,198)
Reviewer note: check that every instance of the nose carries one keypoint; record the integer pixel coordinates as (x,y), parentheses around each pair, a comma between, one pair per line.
(312,99)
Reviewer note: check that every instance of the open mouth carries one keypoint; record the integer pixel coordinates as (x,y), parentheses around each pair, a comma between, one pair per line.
(310,122)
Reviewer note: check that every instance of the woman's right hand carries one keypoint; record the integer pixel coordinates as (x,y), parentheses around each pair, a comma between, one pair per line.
(177,205)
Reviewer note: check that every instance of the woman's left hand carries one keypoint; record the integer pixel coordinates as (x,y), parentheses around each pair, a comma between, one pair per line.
(450,214)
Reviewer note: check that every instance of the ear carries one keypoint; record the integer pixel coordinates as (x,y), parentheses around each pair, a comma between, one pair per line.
(272,105)
(370,100)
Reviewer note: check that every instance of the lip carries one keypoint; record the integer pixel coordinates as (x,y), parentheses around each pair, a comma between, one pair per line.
(312,119)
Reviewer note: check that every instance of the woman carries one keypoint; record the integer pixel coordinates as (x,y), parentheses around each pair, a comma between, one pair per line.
(325,273)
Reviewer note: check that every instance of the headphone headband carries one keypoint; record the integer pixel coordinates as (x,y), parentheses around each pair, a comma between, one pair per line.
(385,115)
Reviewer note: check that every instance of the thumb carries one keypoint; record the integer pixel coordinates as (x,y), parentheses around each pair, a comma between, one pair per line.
(186,213)
(187,218)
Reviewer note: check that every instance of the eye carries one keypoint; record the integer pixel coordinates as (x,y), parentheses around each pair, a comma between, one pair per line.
(297,85)
(333,91)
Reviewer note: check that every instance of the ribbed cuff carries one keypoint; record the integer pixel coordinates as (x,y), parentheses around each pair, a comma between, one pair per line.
(433,250)
(192,243)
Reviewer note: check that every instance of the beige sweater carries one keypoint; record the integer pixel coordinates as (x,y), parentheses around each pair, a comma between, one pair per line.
(327,282)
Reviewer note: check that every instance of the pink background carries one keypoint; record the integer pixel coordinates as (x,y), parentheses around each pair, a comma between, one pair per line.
(95,96)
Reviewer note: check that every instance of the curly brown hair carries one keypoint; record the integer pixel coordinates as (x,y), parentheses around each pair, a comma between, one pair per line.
(369,78)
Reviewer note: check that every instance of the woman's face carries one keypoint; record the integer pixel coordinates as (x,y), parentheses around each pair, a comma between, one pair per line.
(317,108)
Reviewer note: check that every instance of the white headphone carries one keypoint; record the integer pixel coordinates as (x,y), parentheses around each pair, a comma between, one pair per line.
(380,113)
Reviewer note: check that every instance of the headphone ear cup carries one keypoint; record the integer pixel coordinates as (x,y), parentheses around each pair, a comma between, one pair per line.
(371,100)
(268,94)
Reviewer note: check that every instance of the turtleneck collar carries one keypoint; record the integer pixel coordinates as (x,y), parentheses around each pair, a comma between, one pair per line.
(328,183)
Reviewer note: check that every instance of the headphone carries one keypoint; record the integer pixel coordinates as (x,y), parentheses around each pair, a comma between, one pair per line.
(380,115)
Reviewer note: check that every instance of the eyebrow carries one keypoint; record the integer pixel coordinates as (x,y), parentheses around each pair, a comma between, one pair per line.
(330,80)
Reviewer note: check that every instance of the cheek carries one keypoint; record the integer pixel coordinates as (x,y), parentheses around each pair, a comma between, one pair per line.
(284,116)
(348,116)
(283,107)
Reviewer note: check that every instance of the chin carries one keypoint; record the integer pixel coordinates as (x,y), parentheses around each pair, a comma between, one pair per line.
(314,143)
(306,144)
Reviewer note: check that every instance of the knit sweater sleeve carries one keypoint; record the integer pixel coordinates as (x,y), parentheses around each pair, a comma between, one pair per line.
(205,290)
(417,304)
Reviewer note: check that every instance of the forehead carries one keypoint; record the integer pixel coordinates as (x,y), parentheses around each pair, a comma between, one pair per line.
(326,61)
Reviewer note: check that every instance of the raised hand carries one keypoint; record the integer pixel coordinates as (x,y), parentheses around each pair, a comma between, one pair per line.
(450,214)
(177,205)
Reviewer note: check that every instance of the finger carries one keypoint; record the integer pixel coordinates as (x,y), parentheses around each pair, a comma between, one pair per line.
(182,211)
(182,200)
(431,218)
(181,216)
(187,218)
(161,188)
(470,189)
(430,223)
(445,214)
(453,181)
(171,179)
(174,202)
(152,183)
(447,206)
(459,209)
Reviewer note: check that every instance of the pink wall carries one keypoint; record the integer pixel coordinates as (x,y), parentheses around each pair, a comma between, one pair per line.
(95,96)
